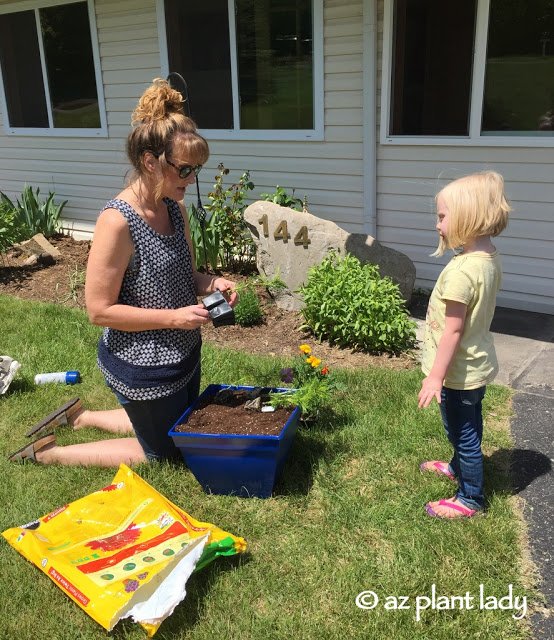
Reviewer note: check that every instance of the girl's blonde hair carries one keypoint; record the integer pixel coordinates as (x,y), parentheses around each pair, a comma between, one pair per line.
(161,128)
(477,206)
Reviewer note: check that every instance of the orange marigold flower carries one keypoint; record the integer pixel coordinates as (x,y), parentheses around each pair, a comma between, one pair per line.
(315,362)
(304,348)
(325,371)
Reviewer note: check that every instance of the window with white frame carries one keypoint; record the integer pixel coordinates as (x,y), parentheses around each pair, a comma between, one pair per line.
(250,65)
(471,68)
(49,70)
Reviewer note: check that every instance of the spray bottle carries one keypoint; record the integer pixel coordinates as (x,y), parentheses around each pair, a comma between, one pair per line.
(67,377)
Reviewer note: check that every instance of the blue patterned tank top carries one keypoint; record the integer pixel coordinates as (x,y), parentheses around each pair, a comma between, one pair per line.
(144,365)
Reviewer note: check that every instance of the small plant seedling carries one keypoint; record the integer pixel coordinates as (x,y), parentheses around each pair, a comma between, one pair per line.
(273,285)
(76,283)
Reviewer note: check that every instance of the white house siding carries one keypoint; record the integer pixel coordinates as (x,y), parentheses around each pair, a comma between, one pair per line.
(88,171)
(408,178)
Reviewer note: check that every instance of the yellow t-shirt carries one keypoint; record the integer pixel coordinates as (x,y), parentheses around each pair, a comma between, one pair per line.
(473,279)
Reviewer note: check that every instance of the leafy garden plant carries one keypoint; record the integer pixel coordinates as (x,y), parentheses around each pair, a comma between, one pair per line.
(283,199)
(35,216)
(11,231)
(210,250)
(351,305)
(237,250)
(248,311)
(313,384)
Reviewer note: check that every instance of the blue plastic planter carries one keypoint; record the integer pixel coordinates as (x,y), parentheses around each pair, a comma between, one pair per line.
(246,466)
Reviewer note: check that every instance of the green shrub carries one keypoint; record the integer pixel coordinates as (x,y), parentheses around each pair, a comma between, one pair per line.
(282,198)
(248,311)
(36,217)
(349,304)
(10,230)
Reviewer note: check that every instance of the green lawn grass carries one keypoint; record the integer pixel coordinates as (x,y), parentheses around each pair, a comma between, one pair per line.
(347,515)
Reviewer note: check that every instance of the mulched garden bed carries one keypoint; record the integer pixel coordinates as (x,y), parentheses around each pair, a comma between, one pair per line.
(278,334)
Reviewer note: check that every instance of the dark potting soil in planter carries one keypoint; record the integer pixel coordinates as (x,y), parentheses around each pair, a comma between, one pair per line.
(230,417)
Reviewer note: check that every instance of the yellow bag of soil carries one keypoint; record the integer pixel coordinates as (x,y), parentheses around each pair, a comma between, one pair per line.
(124,551)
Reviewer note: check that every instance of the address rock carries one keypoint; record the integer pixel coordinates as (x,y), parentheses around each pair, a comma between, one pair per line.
(307,242)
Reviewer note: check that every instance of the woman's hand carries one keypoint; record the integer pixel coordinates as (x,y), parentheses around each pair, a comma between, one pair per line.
(191,317)
(206,285)
(226,287)
(430,388)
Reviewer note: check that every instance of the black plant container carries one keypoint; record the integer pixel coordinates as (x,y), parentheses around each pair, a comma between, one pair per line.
(220,310)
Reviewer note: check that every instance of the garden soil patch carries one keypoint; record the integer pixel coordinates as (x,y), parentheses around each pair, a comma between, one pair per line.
(233,418)
(47,283)
(277,335)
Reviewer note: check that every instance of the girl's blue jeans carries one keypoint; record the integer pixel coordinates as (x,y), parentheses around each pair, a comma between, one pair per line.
(462,417)
(153,419)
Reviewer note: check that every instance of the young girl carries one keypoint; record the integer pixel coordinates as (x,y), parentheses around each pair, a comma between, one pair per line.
(459,359)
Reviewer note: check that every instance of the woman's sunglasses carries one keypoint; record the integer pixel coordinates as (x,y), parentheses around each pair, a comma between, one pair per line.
(185,170)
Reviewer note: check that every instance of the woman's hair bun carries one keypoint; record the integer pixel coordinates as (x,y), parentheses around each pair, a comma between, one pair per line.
(158,102)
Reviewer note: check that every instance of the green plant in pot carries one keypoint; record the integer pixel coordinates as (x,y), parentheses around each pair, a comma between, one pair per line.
(314,385)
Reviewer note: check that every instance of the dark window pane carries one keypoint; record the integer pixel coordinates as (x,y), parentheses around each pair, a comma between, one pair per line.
(22,73)
(275,56)
(519,78)
(198,49)
(432,66)
(70,65)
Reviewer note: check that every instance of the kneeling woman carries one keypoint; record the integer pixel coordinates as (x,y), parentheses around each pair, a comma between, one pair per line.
(142,286)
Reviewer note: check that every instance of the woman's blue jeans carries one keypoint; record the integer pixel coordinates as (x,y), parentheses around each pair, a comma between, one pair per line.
(152,419)
(462,417)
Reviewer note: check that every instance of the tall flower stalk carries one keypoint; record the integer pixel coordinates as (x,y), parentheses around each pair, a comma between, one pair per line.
(237,249)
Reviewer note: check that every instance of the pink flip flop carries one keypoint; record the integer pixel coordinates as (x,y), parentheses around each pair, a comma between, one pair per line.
(440,469)
(466,513)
